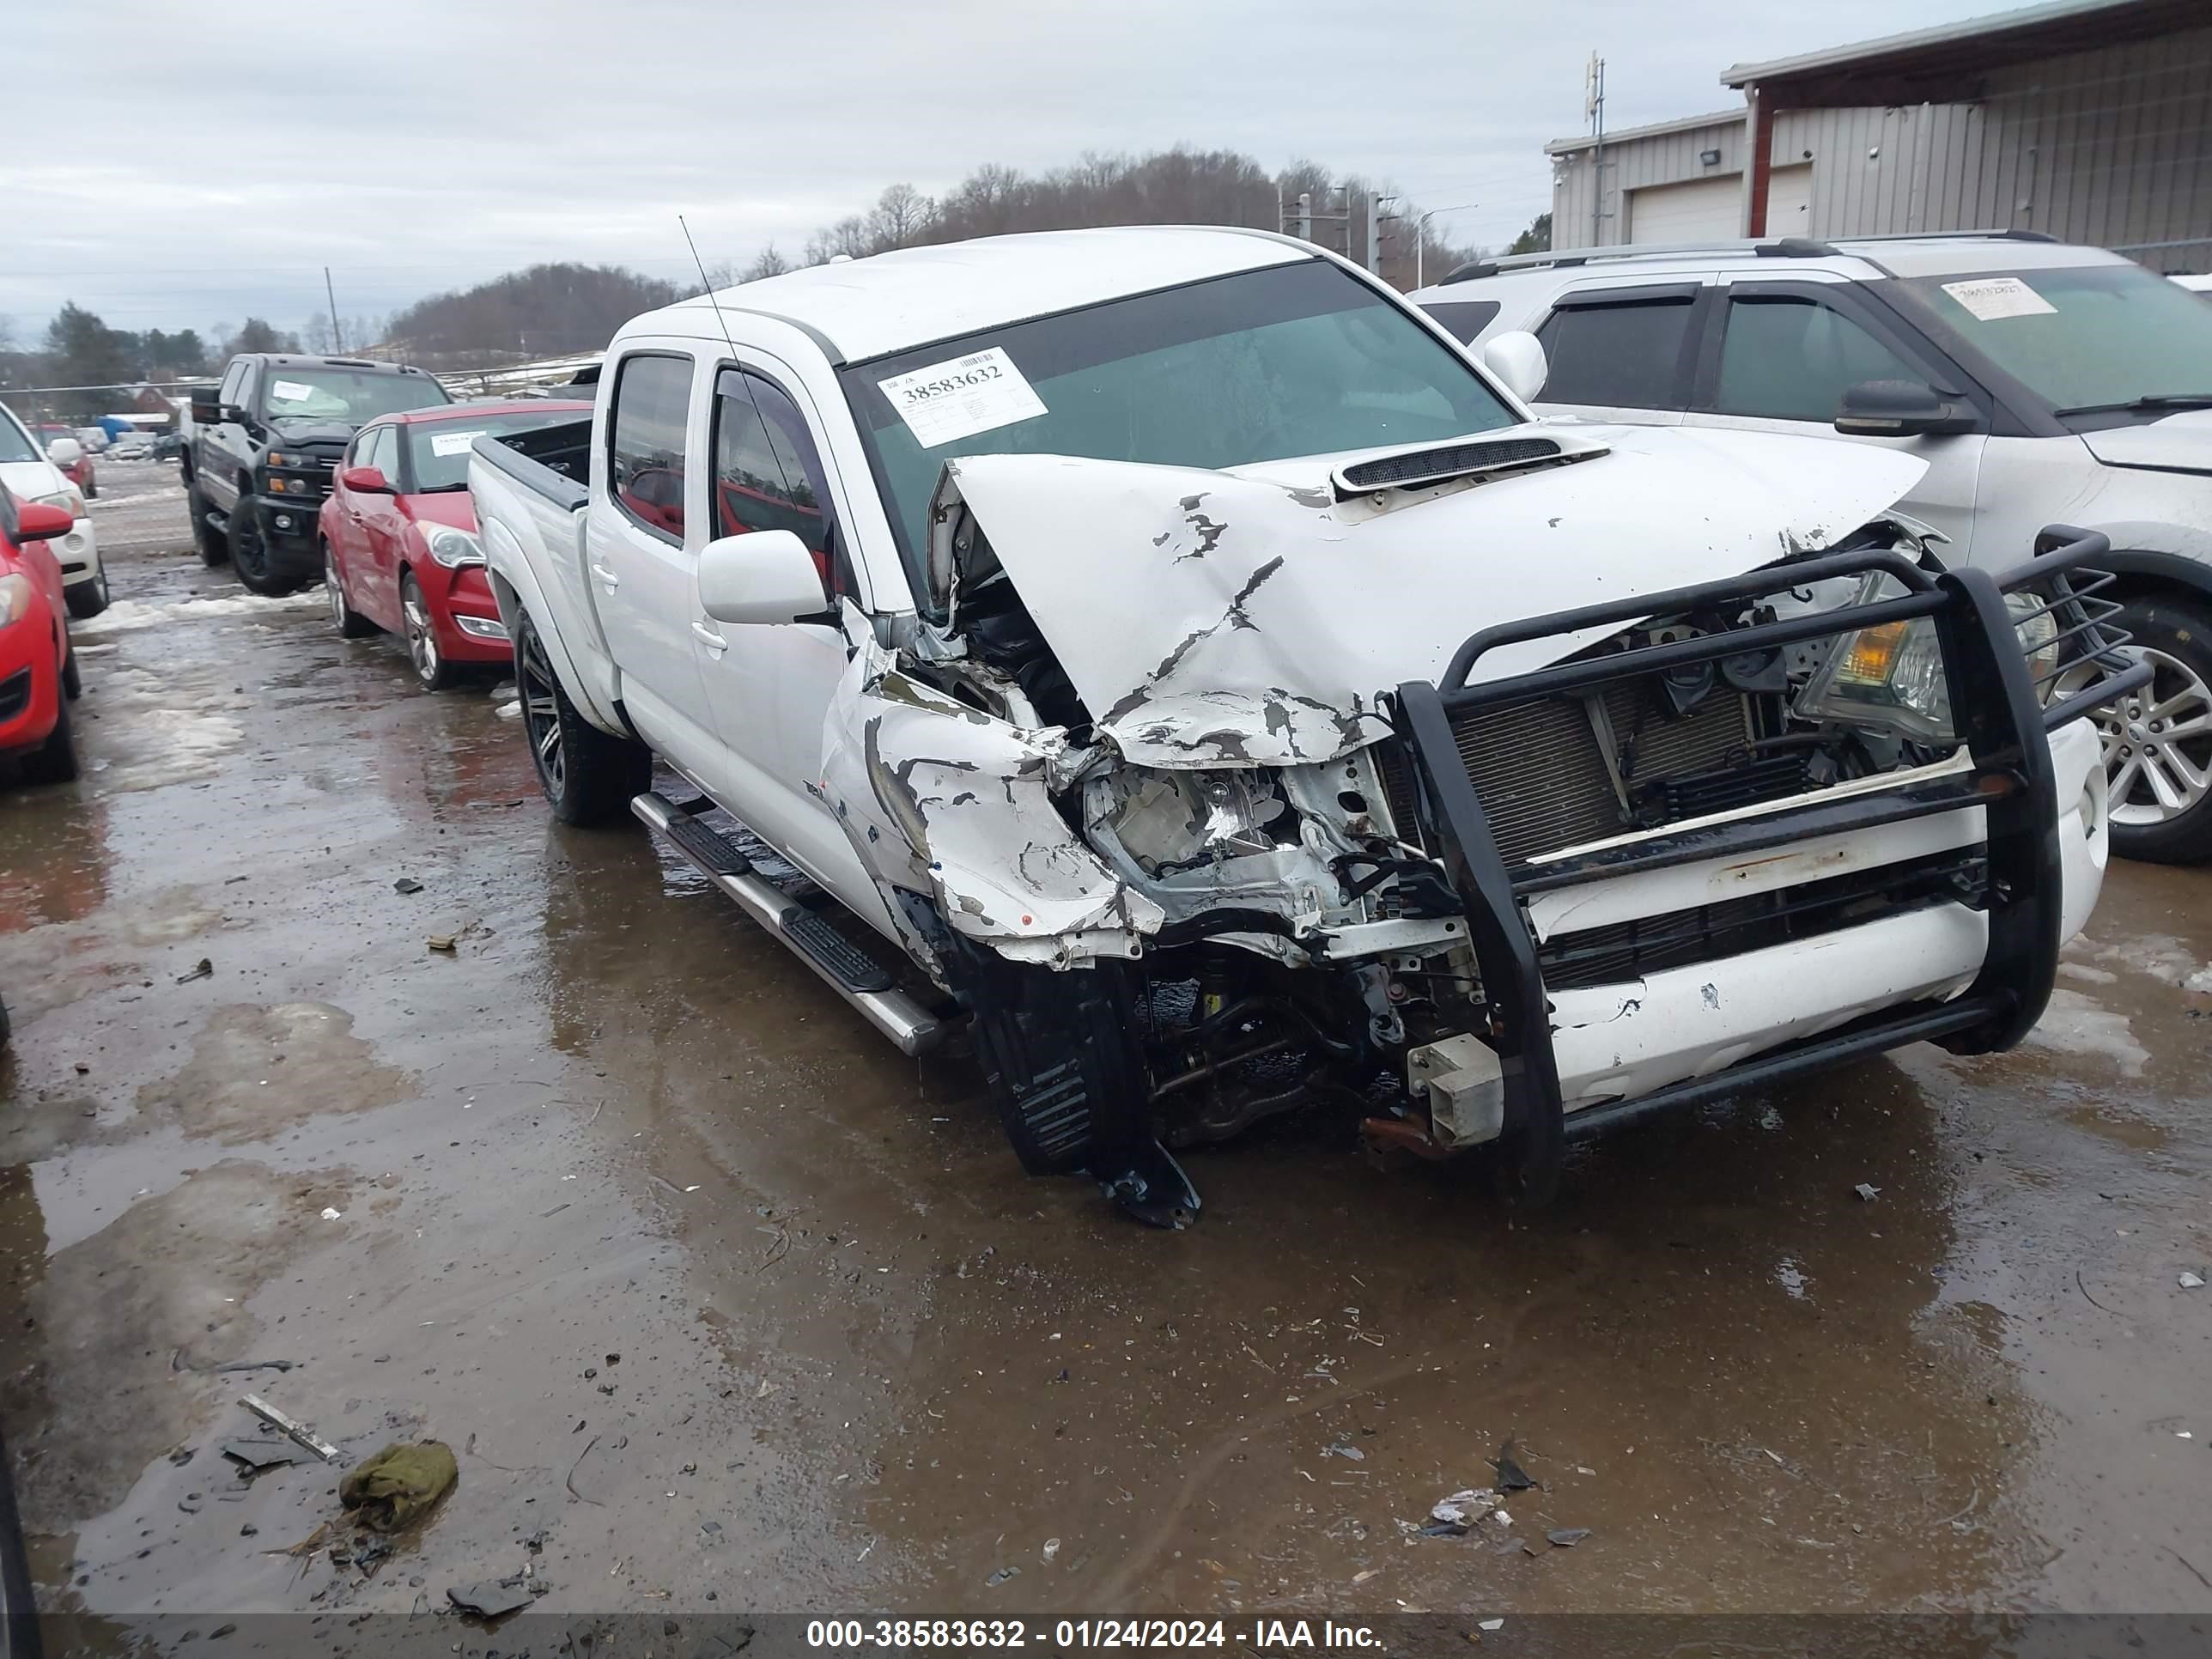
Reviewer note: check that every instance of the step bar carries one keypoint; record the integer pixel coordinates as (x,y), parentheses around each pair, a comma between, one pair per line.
(891,1010)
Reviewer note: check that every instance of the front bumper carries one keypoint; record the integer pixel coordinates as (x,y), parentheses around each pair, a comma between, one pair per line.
(30,681)
(2026,787)
(288,530)
(464,613)
(78,554)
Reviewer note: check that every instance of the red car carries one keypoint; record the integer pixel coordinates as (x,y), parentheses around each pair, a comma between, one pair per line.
(400,534)
(37,675)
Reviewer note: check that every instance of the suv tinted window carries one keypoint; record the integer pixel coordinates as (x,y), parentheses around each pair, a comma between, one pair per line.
(1624,355)
(1462,318)
(644,454)
(1793,360)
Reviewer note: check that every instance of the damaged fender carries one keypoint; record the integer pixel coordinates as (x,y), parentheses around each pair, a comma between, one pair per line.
(939,798)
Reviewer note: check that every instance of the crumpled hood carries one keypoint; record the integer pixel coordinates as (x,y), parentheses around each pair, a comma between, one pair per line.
(1210,618)
(2180,443)
(303,430)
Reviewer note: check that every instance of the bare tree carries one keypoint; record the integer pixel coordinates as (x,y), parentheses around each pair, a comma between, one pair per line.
(767,263)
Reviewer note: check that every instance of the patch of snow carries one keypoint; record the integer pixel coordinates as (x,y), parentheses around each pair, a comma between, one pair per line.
(128,615)
(2073,1024)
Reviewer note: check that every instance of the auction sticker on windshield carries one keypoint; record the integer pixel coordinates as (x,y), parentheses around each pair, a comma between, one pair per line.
(290,392)
(453,443)
(1989,298)
(961,396)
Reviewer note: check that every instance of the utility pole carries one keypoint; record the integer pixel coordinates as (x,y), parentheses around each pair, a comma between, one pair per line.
(1374,218)
(338,330)
(1594,106)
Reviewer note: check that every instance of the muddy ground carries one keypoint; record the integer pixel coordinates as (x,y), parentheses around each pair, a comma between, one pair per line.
(726,1306)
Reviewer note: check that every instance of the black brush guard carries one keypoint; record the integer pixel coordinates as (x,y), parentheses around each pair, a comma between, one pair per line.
(1997,712)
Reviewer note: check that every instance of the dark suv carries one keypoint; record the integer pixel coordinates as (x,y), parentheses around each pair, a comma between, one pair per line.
(263,442)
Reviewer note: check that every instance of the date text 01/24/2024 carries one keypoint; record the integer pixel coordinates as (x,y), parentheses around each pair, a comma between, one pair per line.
(1265,1633)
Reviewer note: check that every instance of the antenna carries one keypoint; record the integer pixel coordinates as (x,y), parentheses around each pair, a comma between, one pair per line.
(706,287)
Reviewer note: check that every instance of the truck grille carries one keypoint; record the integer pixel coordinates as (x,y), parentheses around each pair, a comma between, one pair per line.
(1544,783)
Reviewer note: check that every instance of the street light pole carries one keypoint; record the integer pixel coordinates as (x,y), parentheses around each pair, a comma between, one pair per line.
(1421,233)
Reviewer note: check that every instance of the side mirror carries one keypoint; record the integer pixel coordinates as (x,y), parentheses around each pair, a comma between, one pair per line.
(366,480)
(763,576)
(36,522)
(204,407)
(1517,357)
(1902,408)
(65,451)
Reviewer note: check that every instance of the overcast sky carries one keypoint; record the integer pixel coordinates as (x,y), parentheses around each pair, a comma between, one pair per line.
(172,166)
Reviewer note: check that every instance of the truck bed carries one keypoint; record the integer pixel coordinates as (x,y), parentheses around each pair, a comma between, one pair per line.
(530,494)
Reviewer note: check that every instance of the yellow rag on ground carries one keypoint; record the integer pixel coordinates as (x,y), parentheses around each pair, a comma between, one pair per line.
(397,1484)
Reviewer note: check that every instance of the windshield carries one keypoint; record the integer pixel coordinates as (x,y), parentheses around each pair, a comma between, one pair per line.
(438,451)
(351,395)
(15,444)
(1300,359)
(2090,339)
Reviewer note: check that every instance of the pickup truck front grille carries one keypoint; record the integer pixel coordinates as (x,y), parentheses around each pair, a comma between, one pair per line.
(1541,771)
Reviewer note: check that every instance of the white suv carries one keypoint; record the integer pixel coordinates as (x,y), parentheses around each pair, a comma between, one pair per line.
(2042,384)
(30,477)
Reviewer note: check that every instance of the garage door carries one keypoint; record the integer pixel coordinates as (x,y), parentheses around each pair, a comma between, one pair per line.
(1700,210)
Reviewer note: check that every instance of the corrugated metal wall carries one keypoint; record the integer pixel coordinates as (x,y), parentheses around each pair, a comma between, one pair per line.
(2112,146)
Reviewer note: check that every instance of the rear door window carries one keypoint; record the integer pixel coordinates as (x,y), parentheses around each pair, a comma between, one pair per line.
(1625,353)
(645,447)
(1462,318)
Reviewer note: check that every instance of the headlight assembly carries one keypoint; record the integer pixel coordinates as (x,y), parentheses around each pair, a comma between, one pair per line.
(451,548)
(1890,676)
(2038,632)
(70,501)
(1170,820)
(16,592)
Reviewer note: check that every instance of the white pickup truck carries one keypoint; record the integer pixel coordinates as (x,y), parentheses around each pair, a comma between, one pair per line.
(1171,655)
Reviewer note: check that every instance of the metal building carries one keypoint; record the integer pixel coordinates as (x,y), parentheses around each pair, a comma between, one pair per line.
(2090,120)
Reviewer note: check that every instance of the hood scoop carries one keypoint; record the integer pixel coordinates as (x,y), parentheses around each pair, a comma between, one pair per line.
(1436,463)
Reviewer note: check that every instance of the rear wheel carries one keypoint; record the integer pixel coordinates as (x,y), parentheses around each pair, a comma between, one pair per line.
(214,548)
(350,623)
(86,600)
(432,671)
(588,775)
(2158,739)
(54,761)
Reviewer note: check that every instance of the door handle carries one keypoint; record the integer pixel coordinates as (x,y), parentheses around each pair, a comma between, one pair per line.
(707,637)
(606,577)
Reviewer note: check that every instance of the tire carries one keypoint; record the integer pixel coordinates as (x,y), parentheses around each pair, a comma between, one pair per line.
(250,558)
(350,623)
(86,600)
(54,761)
(72,678)
(1065,1067)
(19,1612)
(589,776)
(2158,741)
(432,672)
(214,548)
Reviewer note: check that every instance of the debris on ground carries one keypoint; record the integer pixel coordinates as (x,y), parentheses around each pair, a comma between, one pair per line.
(1452,1516)
(331,1212)
(1051,1548)
(406,884)
(486,1600)
(446,942)
(1566,1538)
(1002,1575)
(2192,1281)
(1867,1193)
(1511,1477)
(1502,1517)
(399,1483)
(204,970)
(255,1455)
(289,1428)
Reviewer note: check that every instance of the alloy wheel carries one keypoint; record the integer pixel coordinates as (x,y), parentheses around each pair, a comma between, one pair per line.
(332,589)
(422,640)
(2157,742)
(541,711)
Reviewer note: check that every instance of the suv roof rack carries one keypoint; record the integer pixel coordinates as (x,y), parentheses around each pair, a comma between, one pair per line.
(1779,247)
